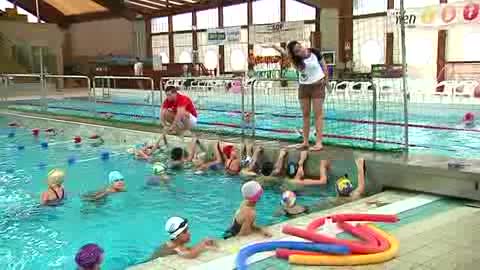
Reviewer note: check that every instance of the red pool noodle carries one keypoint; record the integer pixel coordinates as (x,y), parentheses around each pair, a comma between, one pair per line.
(357,247)
(382,243)
(370,245)
(353,217)
(366,217)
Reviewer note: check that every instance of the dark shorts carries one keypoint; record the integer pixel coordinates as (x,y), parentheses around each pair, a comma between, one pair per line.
(314,90)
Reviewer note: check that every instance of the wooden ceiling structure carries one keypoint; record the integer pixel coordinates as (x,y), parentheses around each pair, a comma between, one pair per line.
(66,12)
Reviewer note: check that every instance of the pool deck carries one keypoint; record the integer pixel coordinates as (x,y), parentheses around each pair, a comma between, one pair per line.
(447,240)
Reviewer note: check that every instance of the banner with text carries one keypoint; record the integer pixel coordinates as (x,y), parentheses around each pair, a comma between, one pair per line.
(221,36)
(276,33)
(440,16)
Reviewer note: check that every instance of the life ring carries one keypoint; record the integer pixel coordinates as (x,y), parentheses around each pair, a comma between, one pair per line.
(449,13)
(470,11)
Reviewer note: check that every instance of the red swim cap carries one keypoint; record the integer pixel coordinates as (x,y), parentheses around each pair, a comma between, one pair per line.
(227,150)
(35,131)
(77,139)
(469,117)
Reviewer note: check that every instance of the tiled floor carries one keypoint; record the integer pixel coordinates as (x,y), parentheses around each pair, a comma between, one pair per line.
(447,241)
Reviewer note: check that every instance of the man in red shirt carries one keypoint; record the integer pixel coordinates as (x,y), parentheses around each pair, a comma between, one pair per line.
(178,111)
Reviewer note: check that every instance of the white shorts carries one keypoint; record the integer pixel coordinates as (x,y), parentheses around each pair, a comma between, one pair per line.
(193,121)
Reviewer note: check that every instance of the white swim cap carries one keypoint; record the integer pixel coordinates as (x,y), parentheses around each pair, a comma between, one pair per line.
(175,226)
(252,191)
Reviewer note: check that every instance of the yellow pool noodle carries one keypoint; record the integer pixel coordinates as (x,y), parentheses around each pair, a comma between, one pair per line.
(349,260)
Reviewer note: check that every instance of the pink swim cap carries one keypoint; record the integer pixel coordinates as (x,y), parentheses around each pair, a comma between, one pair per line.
(252,191)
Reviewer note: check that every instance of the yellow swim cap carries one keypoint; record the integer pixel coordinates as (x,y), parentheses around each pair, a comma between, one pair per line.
(344,186)
(55,177)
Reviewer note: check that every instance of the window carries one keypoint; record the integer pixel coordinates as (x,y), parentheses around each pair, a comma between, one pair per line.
(266,11)
(462,43)
(183,47)
(361,7)
(421,54)
(207,54)
(159,25)
(296,11)
(207,19)
(368,43)
(235,15)
(160,50)
(416,3)
(236,54)
(182,22)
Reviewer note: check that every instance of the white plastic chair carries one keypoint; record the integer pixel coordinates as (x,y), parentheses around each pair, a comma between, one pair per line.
(449,87)
(342,89)
(359,88)
(465,89)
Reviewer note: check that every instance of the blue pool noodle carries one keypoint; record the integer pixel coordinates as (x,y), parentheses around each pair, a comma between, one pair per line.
(241,260)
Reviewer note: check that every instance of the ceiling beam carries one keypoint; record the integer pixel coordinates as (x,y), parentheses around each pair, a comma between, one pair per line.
(323,3)
(88,17)
(117,7)
(202,5)
(48,13)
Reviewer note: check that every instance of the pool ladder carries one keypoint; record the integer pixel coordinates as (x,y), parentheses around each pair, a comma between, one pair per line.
(106,91)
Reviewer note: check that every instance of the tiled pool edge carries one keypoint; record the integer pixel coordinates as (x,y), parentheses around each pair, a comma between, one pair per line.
(227,248)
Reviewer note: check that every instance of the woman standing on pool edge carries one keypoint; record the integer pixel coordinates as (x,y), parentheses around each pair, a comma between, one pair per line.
(312,80)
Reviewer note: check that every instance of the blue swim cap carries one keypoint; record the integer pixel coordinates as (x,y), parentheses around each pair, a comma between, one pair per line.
(114,176)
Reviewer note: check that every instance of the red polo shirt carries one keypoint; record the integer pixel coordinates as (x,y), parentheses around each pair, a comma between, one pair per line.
(181,101)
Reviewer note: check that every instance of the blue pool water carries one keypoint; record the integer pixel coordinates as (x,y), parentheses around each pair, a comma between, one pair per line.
(279,122)
(129,226)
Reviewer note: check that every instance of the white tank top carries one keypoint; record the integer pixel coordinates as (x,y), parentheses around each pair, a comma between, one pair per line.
(312,72)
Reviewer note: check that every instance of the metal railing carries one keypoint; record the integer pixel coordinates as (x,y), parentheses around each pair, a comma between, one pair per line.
(114,78)
(267,108)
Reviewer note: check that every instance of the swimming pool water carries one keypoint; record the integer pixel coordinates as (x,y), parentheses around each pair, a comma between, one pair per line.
(272,120)
(129,225)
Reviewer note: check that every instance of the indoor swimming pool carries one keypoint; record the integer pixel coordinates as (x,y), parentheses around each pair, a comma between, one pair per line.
(346,123)
(129,225)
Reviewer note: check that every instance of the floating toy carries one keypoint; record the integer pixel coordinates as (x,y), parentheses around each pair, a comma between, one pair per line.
(35,131)
(241,260)
(21,147)
(77,139)
(288,198)
(105,155)
(44,145)
(362,259)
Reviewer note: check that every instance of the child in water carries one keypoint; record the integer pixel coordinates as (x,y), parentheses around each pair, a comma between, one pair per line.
(116,184)
(55,193)
(89,257)
(147,151)
(469,120)
(177,228)
(289,206)
(244,219)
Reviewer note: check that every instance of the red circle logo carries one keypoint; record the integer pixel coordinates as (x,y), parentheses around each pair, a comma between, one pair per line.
(470,11)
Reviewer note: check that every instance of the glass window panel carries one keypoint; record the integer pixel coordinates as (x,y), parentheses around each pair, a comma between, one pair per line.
(182,22)
(361,7)
(266,11)
(207,19)
(235,15)
(296,11)
(159,25)
(368,43)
